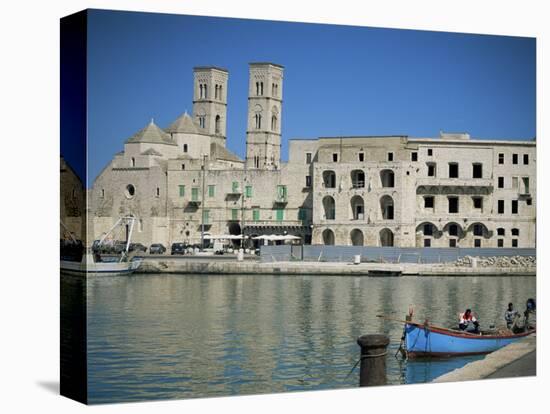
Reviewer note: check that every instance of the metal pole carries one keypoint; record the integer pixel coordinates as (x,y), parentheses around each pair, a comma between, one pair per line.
(202,200)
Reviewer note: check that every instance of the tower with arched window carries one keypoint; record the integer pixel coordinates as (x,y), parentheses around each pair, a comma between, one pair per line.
(210,101)
(265,99)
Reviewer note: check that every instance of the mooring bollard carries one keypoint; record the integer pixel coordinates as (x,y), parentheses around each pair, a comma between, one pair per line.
(373,359)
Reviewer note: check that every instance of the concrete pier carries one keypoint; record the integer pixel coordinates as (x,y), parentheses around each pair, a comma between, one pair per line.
(515,360)
(222,265)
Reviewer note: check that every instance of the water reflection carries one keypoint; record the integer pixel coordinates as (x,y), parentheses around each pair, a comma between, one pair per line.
(173,336)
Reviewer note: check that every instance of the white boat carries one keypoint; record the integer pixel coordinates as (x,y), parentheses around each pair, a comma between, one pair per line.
(92,264)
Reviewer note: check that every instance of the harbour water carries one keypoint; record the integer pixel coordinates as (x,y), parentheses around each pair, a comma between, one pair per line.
(181,336)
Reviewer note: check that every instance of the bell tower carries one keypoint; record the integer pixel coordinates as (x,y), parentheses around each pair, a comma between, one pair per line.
(265,101)
(210,101)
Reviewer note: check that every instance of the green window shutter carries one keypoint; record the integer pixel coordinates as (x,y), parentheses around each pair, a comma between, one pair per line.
(280,214)
(301,214)
(235,214)
(256,214)
(211,190)
(235,186)
(206,217)
(248,191)
(182,190)
(194,194)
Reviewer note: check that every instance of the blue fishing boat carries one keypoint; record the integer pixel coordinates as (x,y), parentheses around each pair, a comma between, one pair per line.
(424,340)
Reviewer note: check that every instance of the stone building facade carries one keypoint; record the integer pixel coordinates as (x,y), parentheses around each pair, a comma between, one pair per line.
(449,191)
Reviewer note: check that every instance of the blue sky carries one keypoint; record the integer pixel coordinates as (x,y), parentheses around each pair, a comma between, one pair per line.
(339,80)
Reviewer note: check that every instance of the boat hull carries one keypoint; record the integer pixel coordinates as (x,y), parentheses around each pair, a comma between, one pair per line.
(422,341)
(99,269)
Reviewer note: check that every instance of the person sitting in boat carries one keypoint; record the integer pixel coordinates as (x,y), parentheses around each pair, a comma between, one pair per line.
(530,314)
(510,315)
(468,322)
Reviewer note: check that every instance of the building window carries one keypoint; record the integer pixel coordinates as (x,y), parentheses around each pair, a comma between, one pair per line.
(133,162)
(452,243)
(500,207)
(256,161)
(525,182)
(430,152)
(234,214)
(453,230)
(274,123)
(390,156)
(453,170)
(329,179)
(515,182)
(526,159)
(428,230)
(478,202)
(431,170)
(255,214)
(206,216)
(211,190)
(308,157)
(280,213)
(477,170)
(217,124)
(500,182)
(358,179)
(202,121)
(102,193)
(478,230)
(361,156)
(195,194)
(387,178)
(427,243)
(501,158)
(514,206)
(258,121)
(515,232)
(414,156)
(514,242)
(500,243)
(501,231)
(528,201)
(182,190)
(308,180)
(184,147)
(158,192)
(453,204)
(429,202)
(386,206)
(514,158)
(302,214)
(477,242)
(130,191)
(334,157)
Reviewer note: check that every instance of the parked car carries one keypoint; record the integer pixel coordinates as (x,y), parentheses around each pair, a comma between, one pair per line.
(157,248)
(137,247)
(178,248)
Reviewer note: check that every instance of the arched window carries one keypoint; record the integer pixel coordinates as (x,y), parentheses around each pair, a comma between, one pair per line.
(218,122)
(386,207)
(357,208)
(261,88)
(386,238)
(257,88)
(274,90)
(258,118)
(205,92)
(184,147)
(356,237)
(328,237)
(329,207)
(200,91)
(357,179)
(274,123)
(133,162)
(387,178)
(220,93)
